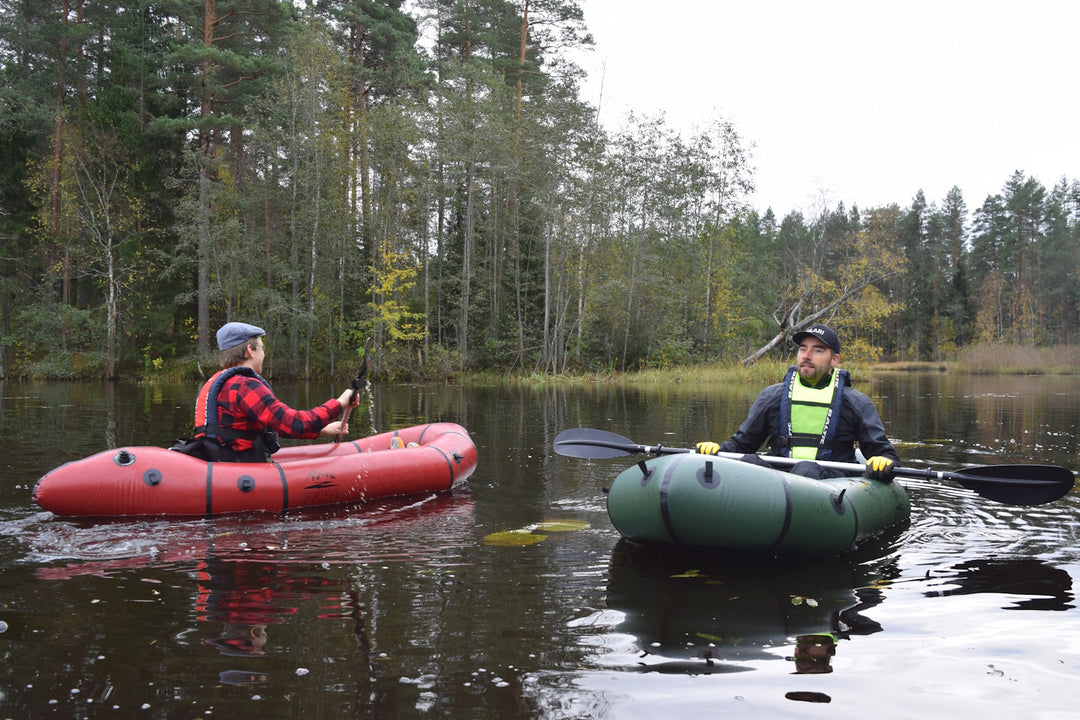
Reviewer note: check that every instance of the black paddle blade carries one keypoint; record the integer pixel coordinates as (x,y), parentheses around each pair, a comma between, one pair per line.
(593,444)
(1017,484)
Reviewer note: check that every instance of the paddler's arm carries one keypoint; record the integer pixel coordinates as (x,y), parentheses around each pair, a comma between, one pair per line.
(882,456)
(257,401)
(349,398)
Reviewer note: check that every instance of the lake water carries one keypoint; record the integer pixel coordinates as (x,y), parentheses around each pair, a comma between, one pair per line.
(416,608)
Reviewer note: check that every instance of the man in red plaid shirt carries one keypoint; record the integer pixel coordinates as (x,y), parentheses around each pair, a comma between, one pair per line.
(237,408)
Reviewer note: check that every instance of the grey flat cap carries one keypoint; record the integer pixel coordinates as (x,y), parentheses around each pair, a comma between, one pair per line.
(232,334)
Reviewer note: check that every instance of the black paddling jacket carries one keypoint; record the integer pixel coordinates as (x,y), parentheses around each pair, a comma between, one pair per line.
(859,423)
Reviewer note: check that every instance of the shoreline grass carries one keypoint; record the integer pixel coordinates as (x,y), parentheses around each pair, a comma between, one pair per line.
(997,359)
(1001,359)
(986,359)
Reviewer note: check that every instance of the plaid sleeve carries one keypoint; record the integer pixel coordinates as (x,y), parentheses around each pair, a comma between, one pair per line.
(257,401)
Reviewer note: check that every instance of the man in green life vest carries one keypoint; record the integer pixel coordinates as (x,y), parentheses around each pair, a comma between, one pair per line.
(814,414)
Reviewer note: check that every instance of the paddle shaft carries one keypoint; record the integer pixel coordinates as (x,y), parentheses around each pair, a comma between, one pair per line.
(1010,484)
(362,373)
(633,448)
(780,461)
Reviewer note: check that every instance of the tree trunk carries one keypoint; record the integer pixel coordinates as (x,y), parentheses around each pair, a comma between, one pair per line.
(206,145)
(366,220)
(55,195)
(548,343)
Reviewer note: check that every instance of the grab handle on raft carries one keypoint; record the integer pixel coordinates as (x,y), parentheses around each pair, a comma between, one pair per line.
(1009,484)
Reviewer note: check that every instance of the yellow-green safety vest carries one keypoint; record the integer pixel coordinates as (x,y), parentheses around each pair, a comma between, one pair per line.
(809,416)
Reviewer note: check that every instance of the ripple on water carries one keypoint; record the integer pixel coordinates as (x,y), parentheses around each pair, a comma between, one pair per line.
(959,543)
(422,529)
(943,512)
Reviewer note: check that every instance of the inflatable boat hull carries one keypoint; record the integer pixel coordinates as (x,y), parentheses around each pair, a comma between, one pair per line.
(705,501)
(136,481)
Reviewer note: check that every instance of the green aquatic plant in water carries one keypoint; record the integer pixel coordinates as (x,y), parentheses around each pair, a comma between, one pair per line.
(528,535)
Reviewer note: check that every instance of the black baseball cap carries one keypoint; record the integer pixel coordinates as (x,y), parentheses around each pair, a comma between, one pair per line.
(822,332)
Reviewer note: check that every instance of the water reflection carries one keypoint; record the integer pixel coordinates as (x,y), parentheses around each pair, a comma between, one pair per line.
(242,600)
(814,653)
(813,656)
(253,581)
(1038,585)
(700,613)
(983,419)
(246,598)
(410,613)
(305,537)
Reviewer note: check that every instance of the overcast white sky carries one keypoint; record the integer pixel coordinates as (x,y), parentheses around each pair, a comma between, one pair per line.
(855,101)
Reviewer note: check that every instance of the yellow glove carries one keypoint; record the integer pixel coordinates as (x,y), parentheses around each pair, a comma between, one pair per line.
(708,448)
(880,468)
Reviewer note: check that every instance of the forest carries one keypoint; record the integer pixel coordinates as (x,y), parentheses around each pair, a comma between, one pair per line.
(425,175)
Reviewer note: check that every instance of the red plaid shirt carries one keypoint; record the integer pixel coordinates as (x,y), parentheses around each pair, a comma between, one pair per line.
(244,403)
